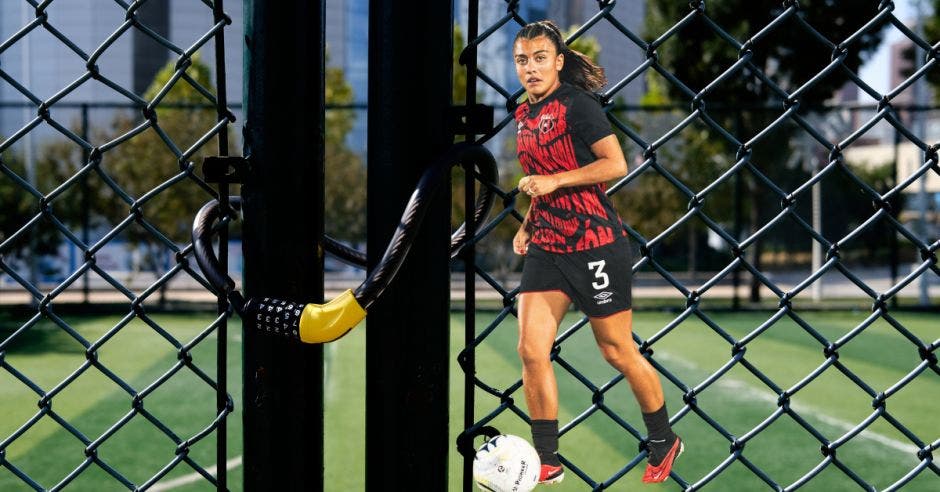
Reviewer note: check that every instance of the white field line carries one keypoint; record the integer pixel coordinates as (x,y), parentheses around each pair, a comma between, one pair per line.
(741,388)
(237,461)
(193,477)
(733,386)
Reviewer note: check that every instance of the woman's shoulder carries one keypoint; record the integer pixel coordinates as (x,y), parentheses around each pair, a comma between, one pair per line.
(581,96)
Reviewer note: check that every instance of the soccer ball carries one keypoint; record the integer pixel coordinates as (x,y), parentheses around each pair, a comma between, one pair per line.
(506,463)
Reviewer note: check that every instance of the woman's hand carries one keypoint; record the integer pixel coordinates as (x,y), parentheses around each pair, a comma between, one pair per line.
(536,185)
(609,164)
(520,243)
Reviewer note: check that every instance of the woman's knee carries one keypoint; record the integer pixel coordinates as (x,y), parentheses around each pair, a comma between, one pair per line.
(619,355)
(532,353)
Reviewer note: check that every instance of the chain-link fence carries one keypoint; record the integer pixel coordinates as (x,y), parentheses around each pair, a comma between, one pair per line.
(137,174)
(135,395)
(747,136)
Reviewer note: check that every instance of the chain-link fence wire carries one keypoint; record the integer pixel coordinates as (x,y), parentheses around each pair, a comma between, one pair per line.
(782,401)
(138,172)
(691,252)
(129,260)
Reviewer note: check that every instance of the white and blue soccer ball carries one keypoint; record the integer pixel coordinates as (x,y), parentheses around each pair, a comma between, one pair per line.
(506,463)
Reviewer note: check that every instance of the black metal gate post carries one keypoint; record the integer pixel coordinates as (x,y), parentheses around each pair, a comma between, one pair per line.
(469,255)
(283,203)
(407,335)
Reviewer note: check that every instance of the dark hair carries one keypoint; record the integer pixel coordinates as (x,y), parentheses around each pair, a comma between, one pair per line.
(579,70)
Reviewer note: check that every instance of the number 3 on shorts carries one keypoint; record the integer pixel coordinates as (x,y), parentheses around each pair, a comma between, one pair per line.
(605,281)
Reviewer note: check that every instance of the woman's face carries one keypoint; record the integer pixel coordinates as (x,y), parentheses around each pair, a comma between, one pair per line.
(538,64)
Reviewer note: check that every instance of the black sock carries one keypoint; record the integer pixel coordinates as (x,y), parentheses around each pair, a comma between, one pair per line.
(545,440)
(660,435)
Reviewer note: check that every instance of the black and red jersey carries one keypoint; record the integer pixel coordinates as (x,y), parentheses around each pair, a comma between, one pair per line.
(555,135)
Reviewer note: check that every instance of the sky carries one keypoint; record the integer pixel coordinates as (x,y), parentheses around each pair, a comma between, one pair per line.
(875,71)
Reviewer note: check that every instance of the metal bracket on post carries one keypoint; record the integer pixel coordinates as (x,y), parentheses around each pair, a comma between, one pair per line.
(225,169)
(475,119)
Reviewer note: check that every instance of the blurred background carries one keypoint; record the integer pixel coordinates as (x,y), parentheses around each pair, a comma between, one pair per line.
(43,156)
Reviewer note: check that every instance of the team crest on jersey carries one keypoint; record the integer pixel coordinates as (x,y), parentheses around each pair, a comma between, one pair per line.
(547,123)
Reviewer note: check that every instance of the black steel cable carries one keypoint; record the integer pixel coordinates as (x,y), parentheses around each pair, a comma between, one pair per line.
(287,316)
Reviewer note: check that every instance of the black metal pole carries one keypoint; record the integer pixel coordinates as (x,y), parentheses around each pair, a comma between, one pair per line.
(470,252)
(407,349)
(221,355)
(283,231)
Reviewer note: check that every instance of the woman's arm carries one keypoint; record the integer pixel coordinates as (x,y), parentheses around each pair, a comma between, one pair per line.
(520,242)
(609,164)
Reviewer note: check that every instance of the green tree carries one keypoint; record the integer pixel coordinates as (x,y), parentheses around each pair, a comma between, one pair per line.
(345,173)
(588,45)
(166,192)
(14,202)
(18,207)
(650,204)
(787,54)
(144,162)
(873,246)
(931,34)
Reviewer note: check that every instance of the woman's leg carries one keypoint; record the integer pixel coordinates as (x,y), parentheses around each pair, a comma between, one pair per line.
(614,337)
(540,313)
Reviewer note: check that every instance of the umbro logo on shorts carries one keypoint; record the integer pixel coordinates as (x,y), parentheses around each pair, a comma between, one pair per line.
(603,297)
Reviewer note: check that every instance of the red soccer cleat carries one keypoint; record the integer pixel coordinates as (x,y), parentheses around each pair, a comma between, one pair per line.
(551,474)
(659,473)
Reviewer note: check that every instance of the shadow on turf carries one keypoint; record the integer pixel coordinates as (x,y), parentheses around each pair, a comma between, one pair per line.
(43,337)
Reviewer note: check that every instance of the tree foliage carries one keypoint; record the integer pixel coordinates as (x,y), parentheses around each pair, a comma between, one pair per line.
(932,35)
(788,55)
(345,173)
(147,161)
(142,177)
(18,207)
(651,203)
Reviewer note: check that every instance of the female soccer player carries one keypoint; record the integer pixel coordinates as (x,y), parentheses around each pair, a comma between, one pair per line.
(575,246)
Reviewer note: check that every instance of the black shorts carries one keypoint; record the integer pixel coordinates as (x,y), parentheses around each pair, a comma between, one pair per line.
(597,280)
